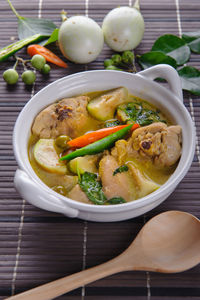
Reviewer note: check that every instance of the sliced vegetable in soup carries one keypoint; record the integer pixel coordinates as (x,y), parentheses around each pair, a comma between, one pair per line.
(104,148)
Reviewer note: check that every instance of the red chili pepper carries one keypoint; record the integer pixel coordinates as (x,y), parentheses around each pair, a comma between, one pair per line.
(94,136)
(47,54)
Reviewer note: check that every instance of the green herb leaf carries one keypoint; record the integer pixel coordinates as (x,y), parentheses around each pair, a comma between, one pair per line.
(193,40)
(190,36)
(135,112)
(174,47)
(112,123)
(190,79)
(116,200)
(153,58)
(121,169)
(31,26)
(52,39)
(92,188)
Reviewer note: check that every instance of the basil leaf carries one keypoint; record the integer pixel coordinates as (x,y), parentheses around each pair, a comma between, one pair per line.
(173,46)
(111,123)
(31,26)
(193,40)
(134,111)
(116,200)
(153,58)
(190,79)
(92,188)
(121,169)
(53,38)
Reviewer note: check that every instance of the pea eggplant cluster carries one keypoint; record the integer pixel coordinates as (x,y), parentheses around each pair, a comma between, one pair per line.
(121,62)
(37,62)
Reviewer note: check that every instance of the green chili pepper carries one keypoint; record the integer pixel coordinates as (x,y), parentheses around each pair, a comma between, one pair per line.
(98,146)
(9,50)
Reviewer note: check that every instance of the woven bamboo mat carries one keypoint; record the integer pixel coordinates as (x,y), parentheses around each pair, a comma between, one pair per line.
(38,246)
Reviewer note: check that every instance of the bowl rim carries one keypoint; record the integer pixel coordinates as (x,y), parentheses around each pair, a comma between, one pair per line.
(173,180)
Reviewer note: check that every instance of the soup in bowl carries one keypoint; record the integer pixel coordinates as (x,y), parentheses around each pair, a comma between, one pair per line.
(104,145)
(104,148)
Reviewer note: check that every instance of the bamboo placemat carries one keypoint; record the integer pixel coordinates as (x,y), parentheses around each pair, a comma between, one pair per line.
(38,246)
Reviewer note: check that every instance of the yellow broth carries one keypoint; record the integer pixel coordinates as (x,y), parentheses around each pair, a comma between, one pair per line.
(159,176)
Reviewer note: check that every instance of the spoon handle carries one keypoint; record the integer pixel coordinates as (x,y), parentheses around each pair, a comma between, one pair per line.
(63,285)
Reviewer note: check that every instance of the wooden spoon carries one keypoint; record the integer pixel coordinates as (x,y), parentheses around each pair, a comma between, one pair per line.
(168,243)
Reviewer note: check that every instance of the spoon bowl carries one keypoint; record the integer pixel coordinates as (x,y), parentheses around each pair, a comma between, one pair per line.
(168,243)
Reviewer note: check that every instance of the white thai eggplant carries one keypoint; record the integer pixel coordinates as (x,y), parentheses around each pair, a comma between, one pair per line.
(80,39)
(123,28)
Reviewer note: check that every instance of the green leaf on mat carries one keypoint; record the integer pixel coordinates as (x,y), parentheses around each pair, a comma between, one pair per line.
(174,47)
(153,58)
(53,38)
(190,36)
(193,40)
(31,26)
(190,79)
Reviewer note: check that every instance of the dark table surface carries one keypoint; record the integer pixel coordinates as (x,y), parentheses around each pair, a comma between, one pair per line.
(38,246)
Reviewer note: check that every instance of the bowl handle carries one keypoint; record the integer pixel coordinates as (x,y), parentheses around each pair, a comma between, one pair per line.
(169,74)
(35,195)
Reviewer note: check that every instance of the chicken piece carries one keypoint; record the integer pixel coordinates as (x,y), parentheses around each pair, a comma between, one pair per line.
(129,185)
(119,185)
(120,151)
(132,147)
(143,186)
(77,194)
(170,147)
(64,117)
(156,142)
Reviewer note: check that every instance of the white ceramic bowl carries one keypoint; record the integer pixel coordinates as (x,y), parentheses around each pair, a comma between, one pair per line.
(141,84)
